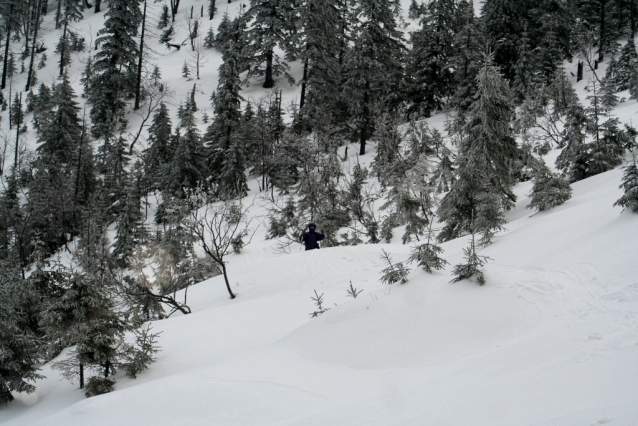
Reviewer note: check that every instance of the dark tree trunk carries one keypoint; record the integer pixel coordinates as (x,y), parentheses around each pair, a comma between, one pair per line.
(138,87)
(15,160)
(98,4)
(58,14)
(270,82)
(35,38)
(602,31)
(81,376)
(230,291)
(6,52)
(211,10)
(363,135)
(302,97)
(62,50)
(632,16)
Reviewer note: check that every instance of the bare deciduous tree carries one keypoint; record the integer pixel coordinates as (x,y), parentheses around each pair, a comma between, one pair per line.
(220,228)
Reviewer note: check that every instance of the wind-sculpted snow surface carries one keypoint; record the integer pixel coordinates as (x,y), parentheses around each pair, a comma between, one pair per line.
(552,339)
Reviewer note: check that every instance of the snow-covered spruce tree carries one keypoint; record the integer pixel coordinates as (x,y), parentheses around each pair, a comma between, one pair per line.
(130,226)
(605,150)
(549,190)
(19,343)
(186,169)
(431,79)
(320,45)
(629,186)
(426,255)
(225,151)
(394,272)
(472,266)
(389,164)
(373,67)
(60,128)
(84,314)
(468,43)
(114,66)
(485,162)
(159,152)
(273,25)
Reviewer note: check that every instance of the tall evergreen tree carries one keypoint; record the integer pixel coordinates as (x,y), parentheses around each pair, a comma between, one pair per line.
(186,169)
(273,25)
(469,42)
(159,152)
(485,162)
(226,159)
(319,53)
(114,65)
(431,78)
(374,73)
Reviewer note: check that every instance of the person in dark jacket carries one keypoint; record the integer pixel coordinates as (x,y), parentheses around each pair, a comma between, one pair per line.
(311,238)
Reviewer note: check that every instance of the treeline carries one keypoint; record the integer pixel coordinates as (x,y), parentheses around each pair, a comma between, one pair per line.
(363,79)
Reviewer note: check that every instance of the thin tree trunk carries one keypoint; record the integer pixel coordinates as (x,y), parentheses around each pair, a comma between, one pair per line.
(15,161)
(6,52)
(270,82)
(138,87)
(81,376)
(35,38)
(62,50)
(602,31)
(58,14)
(302,97)
(363,135)
(223,265)
(211,11)
(632,15)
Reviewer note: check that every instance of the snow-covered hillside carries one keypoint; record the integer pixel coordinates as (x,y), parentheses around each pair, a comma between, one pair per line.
(550,340)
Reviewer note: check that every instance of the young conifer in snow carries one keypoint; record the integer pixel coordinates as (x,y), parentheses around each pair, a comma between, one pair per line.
(320,309)
(630,188)
(472,266)
(549,190)
(427,254)
(19,345)
(395,272)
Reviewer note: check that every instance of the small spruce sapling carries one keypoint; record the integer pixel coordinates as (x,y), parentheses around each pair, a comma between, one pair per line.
(142,355)
(320,309)
(427,254)
(472,265)
(549,190)
(186,72)
(630,187)
(99,386)
(353,292)
(395,272)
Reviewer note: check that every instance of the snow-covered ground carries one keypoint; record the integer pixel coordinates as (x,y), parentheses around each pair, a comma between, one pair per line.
(552,339)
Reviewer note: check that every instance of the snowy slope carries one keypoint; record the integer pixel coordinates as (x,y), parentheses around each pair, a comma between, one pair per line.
(552,339)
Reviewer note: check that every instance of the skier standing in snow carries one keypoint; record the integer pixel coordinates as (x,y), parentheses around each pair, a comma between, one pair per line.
(311,238)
